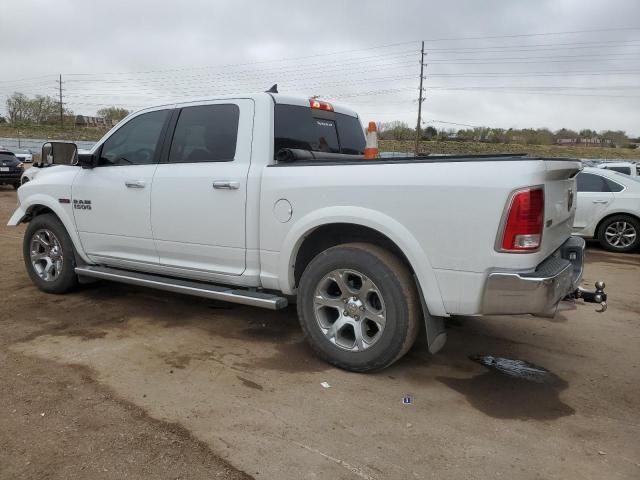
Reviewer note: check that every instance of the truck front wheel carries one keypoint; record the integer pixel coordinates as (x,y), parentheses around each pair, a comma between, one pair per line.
(48,255)
(358,306)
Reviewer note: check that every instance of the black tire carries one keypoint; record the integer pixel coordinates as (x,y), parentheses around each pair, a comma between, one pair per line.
(401,305)
(24,180)
(16,185)
(66,278)
(607,240)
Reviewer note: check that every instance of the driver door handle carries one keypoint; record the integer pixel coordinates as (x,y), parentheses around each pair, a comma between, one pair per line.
(135,183)
(226,185)
(601,201)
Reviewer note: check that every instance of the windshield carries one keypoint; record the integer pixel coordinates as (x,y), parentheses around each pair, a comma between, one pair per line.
(6,156)
(317,130)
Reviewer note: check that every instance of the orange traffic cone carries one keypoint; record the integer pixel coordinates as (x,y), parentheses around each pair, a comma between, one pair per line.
(371,149)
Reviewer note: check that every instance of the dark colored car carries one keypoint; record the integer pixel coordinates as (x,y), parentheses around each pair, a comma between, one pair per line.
(11,169)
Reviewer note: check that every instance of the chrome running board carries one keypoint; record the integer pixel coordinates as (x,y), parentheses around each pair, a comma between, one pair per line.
(198,289)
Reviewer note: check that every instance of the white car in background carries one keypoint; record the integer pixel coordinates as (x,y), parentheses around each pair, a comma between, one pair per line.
(608,209)
(30,173)
(25,156)
(628,168)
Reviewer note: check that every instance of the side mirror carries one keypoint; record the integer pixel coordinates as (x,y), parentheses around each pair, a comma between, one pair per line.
(87,160)
(59,153)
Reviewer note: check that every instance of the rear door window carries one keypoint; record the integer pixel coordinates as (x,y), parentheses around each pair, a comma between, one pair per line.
(317,130)
(588,182)
(206,133)
(613,186)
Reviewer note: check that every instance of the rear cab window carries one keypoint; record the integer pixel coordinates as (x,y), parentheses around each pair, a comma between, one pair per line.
(305,128)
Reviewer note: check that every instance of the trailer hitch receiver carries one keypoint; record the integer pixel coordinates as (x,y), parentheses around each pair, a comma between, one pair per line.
(597,296)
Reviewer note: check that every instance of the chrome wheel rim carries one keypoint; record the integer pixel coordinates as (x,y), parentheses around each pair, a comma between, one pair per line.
(349,310)
(620,234)
(46,255)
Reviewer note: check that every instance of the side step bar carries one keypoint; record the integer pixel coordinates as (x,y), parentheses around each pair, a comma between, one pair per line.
(198,289)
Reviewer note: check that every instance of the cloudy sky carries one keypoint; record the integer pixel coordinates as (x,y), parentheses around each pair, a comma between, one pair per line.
(501,63)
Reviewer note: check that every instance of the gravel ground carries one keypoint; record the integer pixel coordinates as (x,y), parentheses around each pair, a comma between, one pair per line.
(121,382)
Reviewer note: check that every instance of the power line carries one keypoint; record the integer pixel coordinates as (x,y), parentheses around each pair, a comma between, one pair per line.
(338,67)
(27,78)
(248,63)
(562,73)
(453,123)
(543,34)
(569,45)
(588,56)
(342,52)
(569,60)
(538,93)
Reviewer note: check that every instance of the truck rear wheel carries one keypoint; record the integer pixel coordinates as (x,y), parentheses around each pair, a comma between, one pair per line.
(358,306)
(48,255)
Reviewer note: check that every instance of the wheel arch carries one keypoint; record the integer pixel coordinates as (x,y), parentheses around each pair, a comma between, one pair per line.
(325,228)
(40,205)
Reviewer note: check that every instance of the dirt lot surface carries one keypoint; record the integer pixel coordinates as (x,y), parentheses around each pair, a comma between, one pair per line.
(121,382)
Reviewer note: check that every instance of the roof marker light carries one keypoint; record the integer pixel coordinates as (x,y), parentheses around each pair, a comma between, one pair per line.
(318,105)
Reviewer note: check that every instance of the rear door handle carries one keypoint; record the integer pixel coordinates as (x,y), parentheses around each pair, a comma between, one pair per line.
(601,201)
(135,183)
(226,185)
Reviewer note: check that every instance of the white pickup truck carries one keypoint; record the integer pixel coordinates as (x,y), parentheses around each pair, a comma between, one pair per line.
(265,199)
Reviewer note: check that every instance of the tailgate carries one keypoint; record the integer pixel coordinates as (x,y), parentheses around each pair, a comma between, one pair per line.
(560,202)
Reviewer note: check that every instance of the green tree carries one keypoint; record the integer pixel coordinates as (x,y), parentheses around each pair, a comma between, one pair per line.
(566,133)
(617,137)
(113,113)
(22,109)
(395,131)
(429,133)
(587,133)
(43,108)
(18,108)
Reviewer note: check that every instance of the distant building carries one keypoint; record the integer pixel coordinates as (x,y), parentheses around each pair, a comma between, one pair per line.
(87,121)
(585,142)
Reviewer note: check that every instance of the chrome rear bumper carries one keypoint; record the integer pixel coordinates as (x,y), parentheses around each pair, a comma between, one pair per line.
(536,292)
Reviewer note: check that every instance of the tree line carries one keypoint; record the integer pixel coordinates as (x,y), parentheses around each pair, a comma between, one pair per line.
(43,109)
(528,136)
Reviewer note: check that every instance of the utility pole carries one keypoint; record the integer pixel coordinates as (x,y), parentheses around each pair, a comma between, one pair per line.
(61,109)
(420,99)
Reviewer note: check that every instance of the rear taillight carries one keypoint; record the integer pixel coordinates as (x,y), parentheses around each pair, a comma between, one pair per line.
(523,225)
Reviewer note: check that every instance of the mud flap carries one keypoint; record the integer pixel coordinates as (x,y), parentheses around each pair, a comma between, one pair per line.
(434,327)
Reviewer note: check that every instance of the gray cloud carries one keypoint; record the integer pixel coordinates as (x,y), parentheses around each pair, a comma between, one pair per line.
(519,81)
